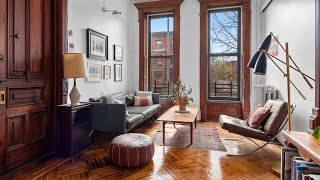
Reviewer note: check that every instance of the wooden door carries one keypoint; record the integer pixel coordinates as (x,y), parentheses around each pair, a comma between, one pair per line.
(25,118)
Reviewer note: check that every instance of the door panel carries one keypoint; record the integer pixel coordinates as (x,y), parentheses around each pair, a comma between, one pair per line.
(38,125)
(25,95)
(17,37)
(16,132)
(36,64)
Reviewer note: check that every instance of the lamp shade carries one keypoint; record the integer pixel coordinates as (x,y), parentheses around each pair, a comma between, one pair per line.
(266,43)
(261,65)
(75,65)
(252,62)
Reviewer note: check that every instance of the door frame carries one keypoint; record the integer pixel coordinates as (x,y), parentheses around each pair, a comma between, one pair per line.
(60,39)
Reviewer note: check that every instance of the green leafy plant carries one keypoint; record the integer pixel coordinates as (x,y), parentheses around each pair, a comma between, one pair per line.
(179,90)
(316,133)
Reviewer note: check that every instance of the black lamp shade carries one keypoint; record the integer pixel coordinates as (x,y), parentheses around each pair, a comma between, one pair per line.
(253,60)
(261,65)
(266,43)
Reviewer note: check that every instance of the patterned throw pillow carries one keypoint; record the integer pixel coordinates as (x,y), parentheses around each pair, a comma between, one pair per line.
(142,100)
(143,93)
(258,117)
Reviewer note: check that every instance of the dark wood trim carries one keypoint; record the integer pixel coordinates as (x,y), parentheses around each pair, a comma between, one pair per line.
(146,9)
(317,55)
(60,29)
(245,78)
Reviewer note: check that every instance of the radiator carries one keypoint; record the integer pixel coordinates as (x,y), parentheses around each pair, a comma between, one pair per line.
(270,92)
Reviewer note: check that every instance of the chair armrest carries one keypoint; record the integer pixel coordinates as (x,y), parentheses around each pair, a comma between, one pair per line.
(108,117)
(156,98)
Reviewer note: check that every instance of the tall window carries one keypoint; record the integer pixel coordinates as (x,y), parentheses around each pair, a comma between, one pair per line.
(224,54)
(160,54)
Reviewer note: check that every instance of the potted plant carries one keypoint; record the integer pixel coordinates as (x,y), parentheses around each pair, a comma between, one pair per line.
(180,95)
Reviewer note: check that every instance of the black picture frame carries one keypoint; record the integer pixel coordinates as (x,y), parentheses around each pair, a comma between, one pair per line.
(99,37)
(117,74)
(117,49)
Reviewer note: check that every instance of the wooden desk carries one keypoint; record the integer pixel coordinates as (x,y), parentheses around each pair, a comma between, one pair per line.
(171,116)
(308,147)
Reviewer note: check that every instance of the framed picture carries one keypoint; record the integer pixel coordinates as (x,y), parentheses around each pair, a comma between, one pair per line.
(94,72)
(97,45)
(106,72)
(117,72)
(117,53)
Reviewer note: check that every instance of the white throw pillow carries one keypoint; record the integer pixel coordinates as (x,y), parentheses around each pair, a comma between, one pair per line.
(143,93)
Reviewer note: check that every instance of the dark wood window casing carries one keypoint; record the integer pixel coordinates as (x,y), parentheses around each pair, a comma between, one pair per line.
(211,109)
(157,7)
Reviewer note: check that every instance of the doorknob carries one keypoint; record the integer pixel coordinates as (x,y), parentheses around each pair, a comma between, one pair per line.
(2,58)
(17,36)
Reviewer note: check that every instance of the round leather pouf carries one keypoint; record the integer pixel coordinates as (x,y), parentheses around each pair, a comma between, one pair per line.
(131,150)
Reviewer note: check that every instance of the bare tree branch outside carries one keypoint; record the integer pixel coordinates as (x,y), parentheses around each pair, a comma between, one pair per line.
(224,53)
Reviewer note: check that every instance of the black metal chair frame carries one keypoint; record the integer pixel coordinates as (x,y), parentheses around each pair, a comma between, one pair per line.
(270,141)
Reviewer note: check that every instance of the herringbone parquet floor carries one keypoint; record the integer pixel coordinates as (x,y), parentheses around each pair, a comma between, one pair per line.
(168,162)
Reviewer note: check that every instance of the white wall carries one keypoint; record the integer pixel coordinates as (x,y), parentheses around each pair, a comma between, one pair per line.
(85,14)
(294,22)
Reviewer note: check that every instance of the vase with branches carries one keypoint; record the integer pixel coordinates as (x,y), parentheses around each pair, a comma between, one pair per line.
(180,95)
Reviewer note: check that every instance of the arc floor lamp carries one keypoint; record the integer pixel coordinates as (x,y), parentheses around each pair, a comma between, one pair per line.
(258,63)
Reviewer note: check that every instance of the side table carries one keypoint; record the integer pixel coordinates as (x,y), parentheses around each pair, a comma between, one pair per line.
(75,128)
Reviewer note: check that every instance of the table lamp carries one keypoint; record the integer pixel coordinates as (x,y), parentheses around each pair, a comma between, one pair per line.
(75,66)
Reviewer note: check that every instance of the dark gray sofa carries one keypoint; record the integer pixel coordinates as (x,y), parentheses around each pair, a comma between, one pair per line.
(113,117)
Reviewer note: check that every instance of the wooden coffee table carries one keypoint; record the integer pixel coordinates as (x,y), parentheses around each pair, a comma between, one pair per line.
(171,116)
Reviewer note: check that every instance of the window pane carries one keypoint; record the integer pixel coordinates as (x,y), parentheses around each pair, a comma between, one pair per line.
(161,32)
(224,31)
(223,74)
(161,75)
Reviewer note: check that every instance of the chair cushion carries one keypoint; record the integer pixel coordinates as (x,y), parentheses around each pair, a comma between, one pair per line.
(258,117)
(133,120)
(279,112)
(241,127)
(142,101)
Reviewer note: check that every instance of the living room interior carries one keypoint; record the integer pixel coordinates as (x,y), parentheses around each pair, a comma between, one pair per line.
(159,89)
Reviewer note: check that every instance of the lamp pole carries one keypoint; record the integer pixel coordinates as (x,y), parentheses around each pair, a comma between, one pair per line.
(288,86)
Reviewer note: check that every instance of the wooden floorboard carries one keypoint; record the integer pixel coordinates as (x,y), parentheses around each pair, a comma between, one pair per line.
(168,162)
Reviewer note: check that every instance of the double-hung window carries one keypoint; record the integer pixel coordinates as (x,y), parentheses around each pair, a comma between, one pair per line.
(160,54)
(224,54)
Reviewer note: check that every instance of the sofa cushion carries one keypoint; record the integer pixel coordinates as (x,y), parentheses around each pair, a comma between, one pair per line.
(133,120)
(258,117)
(241,127)
(146,111)
(143,101)
(120,97)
